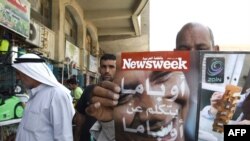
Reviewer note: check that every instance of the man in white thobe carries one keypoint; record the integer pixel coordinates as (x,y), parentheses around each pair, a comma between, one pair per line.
(49,111)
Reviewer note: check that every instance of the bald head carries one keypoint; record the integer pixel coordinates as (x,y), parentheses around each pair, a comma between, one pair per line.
(195,36)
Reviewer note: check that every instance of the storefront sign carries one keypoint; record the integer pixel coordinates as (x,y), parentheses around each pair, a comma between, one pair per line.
(15,15)
(72,54)
(85,58)
(93,63)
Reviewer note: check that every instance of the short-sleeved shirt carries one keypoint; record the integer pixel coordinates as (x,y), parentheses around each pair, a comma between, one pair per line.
(77,93)
(81,105)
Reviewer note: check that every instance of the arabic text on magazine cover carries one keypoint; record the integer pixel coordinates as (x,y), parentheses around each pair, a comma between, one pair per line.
(155,99)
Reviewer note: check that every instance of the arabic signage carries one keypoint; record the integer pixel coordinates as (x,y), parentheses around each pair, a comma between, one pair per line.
(15,15)
(93,63)
(72,53)
(85,58)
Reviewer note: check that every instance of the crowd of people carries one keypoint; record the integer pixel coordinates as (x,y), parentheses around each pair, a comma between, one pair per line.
(100,112)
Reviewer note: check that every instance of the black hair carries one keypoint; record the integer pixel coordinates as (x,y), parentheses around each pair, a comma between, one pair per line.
(108,56)
(72,81)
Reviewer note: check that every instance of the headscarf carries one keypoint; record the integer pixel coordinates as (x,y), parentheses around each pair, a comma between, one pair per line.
(34,66)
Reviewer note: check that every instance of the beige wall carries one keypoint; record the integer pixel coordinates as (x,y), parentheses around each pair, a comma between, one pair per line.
(238,47)
(58,26)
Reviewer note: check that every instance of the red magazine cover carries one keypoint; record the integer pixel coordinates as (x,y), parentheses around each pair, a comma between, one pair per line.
(157,101)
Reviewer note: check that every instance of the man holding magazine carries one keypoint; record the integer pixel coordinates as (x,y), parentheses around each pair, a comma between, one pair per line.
(193,36)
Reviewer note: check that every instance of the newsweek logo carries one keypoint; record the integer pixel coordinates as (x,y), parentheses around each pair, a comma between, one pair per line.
(156,61)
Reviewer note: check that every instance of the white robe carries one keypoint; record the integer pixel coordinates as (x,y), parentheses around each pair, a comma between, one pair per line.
(49,111)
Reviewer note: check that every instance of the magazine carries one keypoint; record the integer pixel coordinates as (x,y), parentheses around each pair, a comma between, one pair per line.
(167,95)
(223,75)
(156,102)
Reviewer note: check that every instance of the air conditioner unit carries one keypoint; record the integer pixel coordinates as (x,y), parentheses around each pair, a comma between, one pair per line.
(48,42)
(34,34)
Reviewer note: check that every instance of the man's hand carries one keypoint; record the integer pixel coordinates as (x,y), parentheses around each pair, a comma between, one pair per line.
(244,122)
(79,120)
(214,100)
(104,98)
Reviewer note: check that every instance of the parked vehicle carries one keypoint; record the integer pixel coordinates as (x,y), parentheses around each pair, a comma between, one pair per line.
(10,108)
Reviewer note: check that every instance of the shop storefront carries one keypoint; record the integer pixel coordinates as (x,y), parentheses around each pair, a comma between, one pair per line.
(31,27)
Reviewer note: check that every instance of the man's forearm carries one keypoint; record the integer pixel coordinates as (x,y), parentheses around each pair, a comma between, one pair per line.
(78,121)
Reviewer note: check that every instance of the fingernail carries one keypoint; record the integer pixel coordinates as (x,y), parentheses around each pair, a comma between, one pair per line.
(117,89)
(115,102)
(116,96)
(97,105)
